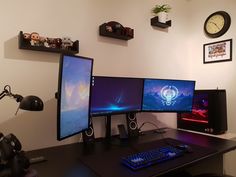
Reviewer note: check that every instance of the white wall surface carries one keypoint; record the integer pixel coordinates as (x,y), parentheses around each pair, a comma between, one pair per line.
(174,53)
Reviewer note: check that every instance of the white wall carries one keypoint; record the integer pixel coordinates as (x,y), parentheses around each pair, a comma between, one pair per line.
(211,76)
(175,52)
(152,53)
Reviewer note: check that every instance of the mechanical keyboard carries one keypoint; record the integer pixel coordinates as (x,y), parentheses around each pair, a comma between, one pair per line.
(151,157)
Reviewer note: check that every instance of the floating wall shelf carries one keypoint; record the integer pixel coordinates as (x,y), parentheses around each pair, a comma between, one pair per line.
(25,44)
(155,22)
(116,30)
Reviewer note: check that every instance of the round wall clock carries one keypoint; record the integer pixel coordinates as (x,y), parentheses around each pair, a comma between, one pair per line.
(217,24)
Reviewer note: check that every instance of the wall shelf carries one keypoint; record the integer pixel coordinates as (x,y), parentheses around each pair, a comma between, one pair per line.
(155,22)
(25,44)
(110,29)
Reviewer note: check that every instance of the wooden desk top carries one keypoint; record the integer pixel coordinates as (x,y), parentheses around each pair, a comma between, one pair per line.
(65,161)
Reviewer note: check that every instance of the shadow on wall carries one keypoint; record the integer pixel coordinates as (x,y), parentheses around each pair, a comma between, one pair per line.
(12,51)
(159,119)
(113,41)
(36,130)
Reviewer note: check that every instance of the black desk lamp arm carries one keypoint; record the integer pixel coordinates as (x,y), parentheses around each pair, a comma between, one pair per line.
(7,92)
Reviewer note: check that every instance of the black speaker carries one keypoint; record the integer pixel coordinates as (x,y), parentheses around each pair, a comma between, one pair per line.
(209,113)
(132,125)
(88,135)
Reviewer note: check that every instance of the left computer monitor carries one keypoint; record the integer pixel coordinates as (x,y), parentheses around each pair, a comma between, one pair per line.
(163,95)
(73,108)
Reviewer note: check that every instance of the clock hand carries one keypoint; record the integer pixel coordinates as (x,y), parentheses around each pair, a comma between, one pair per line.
(214,24)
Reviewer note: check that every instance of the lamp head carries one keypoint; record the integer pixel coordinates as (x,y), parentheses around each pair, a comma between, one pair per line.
(31,103)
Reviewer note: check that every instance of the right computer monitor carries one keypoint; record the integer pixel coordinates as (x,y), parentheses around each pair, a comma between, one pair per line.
(164,95)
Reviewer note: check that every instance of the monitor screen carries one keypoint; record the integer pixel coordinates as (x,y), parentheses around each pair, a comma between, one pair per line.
(115,95)
(73,95)
(162,95)
(200,109)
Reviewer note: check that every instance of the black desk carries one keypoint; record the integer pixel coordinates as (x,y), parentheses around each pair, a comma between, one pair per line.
(72,160)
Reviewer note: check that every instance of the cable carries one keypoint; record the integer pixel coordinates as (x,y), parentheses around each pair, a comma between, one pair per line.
(158,129)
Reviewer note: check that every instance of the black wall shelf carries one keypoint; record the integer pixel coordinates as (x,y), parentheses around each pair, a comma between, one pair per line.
(155,22)
(123,33)
(25,44)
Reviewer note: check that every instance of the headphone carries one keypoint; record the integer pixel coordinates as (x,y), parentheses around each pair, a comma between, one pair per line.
(13,162)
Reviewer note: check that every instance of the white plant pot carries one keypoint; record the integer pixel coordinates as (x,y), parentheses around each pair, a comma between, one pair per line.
(162,17)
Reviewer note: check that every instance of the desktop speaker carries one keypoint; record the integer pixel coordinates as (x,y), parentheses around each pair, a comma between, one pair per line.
(88,135)
(209,113)
(132,125)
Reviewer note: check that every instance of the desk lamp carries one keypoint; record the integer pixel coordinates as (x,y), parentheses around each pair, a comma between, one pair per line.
(30,103)
(13,162)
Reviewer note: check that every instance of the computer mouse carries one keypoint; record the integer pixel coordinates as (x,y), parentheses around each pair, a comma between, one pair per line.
(184,147)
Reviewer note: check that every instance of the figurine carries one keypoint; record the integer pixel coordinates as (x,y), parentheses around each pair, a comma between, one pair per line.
(51,42)
(58,42)
(67,43)
(109,29)
(46,44)
(26,36)
(34,39)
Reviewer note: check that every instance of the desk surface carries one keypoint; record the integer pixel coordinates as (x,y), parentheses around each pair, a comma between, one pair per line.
(73,160)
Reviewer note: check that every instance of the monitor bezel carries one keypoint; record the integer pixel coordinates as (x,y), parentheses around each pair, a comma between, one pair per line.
(119,112)
(61,63)
(168,111)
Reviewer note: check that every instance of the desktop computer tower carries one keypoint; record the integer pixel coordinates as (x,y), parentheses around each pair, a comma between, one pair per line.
(209,113)
(132,125)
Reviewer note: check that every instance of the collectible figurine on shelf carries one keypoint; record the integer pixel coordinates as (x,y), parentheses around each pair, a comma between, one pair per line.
(34,39)
(26,36)
(109,29)
(51,42)
(44,42)
(67,43)
(58,42)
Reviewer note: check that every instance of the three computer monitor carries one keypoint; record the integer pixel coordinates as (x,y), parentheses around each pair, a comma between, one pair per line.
(81,95)
(73,108)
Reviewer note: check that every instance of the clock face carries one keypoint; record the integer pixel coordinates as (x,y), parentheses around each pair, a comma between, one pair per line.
(217,24)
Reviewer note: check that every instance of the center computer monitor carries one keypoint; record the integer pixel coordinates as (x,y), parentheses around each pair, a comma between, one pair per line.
(163,95)
(115,95)
(75,73)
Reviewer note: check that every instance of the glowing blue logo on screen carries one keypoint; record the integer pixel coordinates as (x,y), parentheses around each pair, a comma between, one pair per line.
(169,94)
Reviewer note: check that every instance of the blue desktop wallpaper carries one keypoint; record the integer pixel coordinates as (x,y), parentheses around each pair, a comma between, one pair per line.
(168,95)
(112,95)
(75,93)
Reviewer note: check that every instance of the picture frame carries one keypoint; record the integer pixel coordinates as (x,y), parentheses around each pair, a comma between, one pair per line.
(220,51)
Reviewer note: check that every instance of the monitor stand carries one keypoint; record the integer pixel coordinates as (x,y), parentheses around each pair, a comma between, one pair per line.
(108,127)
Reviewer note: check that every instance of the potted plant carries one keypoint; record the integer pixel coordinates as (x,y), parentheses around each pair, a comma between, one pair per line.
(162,12)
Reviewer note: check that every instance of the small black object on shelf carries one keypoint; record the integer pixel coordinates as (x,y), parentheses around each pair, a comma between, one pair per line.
(155,22)
(116,30)
(25,43)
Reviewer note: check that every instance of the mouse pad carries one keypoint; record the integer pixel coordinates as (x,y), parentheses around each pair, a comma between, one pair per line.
(109,164)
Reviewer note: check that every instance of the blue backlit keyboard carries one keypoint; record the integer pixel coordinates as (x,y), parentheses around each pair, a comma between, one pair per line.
(151,157)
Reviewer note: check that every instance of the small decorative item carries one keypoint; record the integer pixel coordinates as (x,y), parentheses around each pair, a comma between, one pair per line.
(66,43)
(34,39)
(162,12)
(116,30)
(217,51)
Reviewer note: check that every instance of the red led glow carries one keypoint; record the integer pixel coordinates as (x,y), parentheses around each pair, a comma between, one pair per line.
(195,120)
